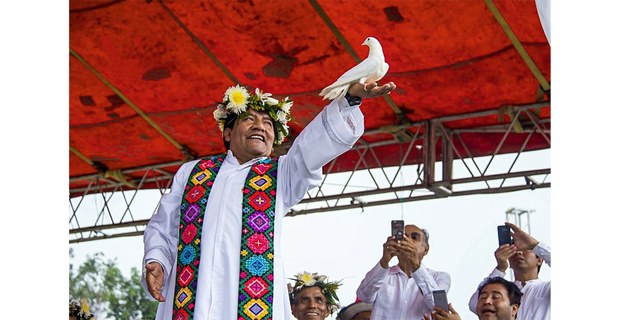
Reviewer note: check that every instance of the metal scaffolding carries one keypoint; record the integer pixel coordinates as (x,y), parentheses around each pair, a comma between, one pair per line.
(457,173)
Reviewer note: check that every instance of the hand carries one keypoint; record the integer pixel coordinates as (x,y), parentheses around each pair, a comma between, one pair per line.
(155,280)
(410,252)
(440,314)
(523,241)
(502,254)
(389,251)
(370,90)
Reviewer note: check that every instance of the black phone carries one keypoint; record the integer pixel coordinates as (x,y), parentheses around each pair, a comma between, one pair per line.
(503,235)
(441,299)
(398,229)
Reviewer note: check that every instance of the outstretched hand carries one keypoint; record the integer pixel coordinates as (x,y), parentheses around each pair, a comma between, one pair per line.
(371,90)
(155,280)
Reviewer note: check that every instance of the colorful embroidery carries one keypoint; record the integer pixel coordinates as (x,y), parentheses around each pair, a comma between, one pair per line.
(190,227)
(257,232)
(256,262)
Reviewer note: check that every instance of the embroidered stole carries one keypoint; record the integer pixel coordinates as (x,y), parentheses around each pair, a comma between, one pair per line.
(257,232)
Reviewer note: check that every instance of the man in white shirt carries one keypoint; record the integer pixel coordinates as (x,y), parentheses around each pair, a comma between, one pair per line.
(499,299)
(212,250)
(403,291)
(525,256)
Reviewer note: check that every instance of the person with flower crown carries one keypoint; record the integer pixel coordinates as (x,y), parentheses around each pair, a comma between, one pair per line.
(212,250)
(313,297)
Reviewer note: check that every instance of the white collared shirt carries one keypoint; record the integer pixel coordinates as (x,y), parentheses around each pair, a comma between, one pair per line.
(396,296)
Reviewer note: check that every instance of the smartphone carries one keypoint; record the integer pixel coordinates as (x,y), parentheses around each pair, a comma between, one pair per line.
(398,229)
(503,234)
(441,299)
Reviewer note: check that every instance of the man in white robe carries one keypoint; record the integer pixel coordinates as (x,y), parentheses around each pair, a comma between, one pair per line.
(334,131)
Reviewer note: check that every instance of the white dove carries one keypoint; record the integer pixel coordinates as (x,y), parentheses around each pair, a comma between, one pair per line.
(372,69)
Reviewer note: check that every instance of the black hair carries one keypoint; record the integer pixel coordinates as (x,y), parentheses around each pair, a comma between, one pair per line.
(231,118)
(514,293)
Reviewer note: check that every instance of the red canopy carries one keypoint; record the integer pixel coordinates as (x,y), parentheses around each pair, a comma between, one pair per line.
(145,75)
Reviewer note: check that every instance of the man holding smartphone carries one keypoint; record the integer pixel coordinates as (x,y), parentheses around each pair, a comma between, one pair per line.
(499,300)
(525,256)
(405,290)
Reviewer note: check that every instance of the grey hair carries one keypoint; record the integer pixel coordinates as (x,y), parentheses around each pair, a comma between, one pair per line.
(426,236)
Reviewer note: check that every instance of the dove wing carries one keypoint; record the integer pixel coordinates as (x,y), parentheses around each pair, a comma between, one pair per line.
(361,70)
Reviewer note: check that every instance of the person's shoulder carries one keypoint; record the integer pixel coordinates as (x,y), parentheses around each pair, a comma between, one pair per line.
(188,165)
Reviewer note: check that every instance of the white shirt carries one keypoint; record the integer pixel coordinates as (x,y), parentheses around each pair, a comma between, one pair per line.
(536,299)
(396,296)
(335,130)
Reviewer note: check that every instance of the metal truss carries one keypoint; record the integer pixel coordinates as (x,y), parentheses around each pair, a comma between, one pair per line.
(109,208)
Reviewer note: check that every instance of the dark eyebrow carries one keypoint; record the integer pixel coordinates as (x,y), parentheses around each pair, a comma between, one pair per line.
(492,292)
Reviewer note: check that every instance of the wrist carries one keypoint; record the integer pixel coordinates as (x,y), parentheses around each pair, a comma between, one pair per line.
(384,263)
(353,100)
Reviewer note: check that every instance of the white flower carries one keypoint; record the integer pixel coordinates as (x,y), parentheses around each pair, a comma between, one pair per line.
(286,107)
(237,98)
(262,95)
(220,112)
(271,101)
(278,141)
(306,278)
(281,117)
(266,97)
(321,278)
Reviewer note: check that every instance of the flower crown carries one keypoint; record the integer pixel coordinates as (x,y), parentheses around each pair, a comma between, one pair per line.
(80,310)
(237,100)
(306,279)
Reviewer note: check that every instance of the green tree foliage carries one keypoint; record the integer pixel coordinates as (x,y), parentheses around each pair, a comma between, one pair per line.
(108,293)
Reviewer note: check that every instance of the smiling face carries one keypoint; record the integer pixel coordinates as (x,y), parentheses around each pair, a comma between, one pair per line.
(494,303)
(310,304)
(251,137)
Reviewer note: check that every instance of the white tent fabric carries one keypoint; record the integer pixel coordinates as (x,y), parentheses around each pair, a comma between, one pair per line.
(544,13)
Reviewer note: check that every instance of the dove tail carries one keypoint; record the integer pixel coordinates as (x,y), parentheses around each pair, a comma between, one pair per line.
(335,92)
